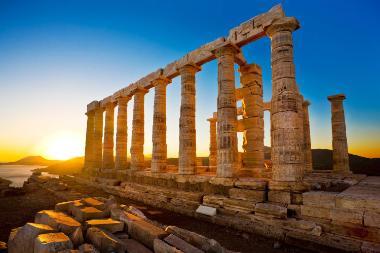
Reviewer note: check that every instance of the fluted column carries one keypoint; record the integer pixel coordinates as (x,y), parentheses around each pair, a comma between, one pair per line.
(339,138)
(227,158)
(121,161)
(98,138)
(253,115)
(89,149)
(187,132)
(108,160)
(137,145)
(287,142)
(213,148)
(307,139)
(159,152)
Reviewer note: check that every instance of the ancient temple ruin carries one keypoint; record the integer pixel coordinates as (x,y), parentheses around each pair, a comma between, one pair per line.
(285,199)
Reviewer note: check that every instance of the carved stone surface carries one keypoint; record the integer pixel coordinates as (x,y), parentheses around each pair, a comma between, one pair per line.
(306,135)
(108,162)
(213,147)
(121,134)
(339,138)
(98,136)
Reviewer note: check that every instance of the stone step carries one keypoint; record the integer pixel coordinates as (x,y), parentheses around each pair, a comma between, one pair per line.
(57,220)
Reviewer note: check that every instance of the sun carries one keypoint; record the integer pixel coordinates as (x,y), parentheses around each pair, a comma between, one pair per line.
(61,146)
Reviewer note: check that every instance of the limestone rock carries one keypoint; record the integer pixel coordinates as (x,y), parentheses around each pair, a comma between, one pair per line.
(319,199)
(104,241)
(94,203)
(250,195)
(110,225)
(87,248)
(206,210)
(57,220)
(22,239)
(181,244)
(279,197)
(63,206)
(77,237)
(162,247)
(52,242)
(87,213)
(347,216)
(316,212)
(271,209)
(251,184)
(372,219)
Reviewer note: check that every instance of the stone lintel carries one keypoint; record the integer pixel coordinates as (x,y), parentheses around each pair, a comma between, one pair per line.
(240,59)
(188,64)
(226,45)
(92,106)
(337,97)
(108,101)
(146,81)
(139,90)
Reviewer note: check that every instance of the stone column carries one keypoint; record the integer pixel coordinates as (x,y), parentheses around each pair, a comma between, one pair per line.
(98,138)
(213,148)
(307,139)
(253,115)
(121,161)
(287,142)
(227,158)
(159,152)
(89,149)
(339,138)
(108,160)
(137,145)
(187,132)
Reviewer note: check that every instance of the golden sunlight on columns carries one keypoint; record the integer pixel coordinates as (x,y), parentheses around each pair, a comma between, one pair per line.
(213,148)
(137,145)
(98,138)
(89,149)
(307,139)
(339,138)
(108,162)
(159,152)
(287,142)
(121,134)
(227,158)
(187,131)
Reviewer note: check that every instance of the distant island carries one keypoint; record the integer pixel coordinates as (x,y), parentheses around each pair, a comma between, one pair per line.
(32,160)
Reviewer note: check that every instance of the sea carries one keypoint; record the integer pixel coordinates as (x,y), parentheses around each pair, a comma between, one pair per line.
(18,174)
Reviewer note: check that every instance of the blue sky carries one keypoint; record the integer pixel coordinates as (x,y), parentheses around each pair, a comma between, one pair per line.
(56,56)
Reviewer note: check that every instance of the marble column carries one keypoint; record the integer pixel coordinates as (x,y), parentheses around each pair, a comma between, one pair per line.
(159,152)
(89,149)
(137,145)
(339,138)
(253,115)
(227,158)
(213,148)
(307,139)
(108,159)
(98,138)
(187,131)
(287,142)
(121,160)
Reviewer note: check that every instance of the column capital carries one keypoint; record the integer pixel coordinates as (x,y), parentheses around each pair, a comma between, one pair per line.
(123,100)
(161,80)
(189,67)
(109,106)
(284,24)
(338,97)
(306,103)
(139,90)
(227,48)
(250,68)
(212,120)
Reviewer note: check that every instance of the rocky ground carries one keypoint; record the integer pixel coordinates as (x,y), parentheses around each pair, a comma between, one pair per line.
(15,211)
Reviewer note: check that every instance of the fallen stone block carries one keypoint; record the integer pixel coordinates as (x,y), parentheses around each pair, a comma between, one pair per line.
(87,248)
(372,219)
(162,247)
(135,247)
(206,210)
(312,211)
(279,197)
(57,220)
(342,215)
(244,194)
(51,243)
(181,244)
(104,241)
(87,213)
(135,211)
(73,205)
(94,203)
(77,237)
(22,239)
(145,232)
(63,207)
(319,199)
(271,209)
(110,225)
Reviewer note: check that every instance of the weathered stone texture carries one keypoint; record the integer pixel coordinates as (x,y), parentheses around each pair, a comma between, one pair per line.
(306,137)
(108,162)
(213,146)
(98,137)
(121,134)
(89,149)
(52,242)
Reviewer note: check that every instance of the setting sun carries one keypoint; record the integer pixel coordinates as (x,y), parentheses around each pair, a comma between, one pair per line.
(61,146)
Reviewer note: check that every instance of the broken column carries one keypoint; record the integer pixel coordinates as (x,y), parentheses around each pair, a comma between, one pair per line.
(307,139)
(287,143)
(89,149)
(121,134)
(187,131)
(98,138)
(253,118)
(159,151)
(213,149)
(108,162)
(137,145)
(339,138)
(227,158)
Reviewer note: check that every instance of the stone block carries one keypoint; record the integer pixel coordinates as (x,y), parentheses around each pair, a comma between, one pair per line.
(214,200)
(347,216)
(312,211)
(110,225)
(104,240)
(279,197)
(271,209)
(239,205)
(94,203)
(372,219)
(52,242)
(319,199)
(57,220)
(228,182)
(361,197)
(22,239)
(87,213)
(145,232)
(370,247)
(72,205)
(181,244)
(63,206)
(77,237)
(87,248)
(160,246)
(244,194)
(206,210)
(135,247)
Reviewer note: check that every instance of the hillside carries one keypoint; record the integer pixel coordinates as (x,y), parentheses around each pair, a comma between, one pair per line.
(32,160)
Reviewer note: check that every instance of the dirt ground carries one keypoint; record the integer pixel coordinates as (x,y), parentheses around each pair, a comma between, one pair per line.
(17,210)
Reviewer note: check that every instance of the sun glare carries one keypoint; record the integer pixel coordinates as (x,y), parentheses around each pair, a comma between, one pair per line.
(62,146)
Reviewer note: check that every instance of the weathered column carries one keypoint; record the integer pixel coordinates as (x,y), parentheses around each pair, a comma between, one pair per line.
(307,139)
(253,115)
(89,149)
(137,145)
(339,138)
(213,148)
(227,158)
(98,138)
(159,152)
(287,142)
(108,162)
(187,132)
(121,161)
